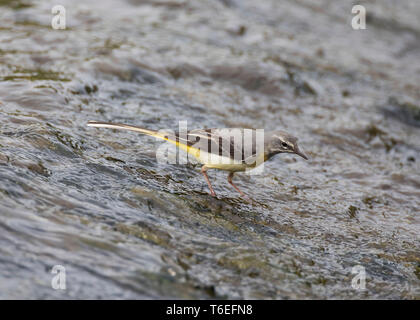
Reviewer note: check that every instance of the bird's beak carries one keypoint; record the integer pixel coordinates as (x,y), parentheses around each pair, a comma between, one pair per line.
(300,153)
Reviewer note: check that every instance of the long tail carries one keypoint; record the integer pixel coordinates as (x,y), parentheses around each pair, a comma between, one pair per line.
(179,142)
(121,126)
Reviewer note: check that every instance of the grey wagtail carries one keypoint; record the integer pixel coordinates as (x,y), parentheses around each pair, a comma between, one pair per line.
(221,149)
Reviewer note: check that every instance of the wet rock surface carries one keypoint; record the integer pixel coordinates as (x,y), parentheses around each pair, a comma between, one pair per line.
(123,225)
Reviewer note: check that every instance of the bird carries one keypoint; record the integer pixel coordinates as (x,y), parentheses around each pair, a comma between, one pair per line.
(229,149)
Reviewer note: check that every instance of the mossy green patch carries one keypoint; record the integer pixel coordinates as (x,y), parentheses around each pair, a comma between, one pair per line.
(146,232)
(35,75)
(352,211)
(15,4)
(373,131)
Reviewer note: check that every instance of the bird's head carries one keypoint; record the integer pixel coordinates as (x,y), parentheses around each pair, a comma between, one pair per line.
(282,142)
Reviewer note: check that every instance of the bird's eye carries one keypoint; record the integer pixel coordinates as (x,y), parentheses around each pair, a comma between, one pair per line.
(284,144)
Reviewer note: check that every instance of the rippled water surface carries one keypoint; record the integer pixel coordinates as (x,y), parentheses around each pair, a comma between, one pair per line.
(124,226)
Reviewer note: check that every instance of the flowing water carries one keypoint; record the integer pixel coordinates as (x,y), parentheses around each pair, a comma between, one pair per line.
(97,202)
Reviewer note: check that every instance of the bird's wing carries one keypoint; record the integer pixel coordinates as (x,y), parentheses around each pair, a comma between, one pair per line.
(233,143)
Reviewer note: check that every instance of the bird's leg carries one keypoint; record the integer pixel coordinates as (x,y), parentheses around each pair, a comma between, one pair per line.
(230,176)
(204,171)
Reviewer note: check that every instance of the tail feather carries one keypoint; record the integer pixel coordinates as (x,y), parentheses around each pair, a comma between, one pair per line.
(175,139)
(121,126)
